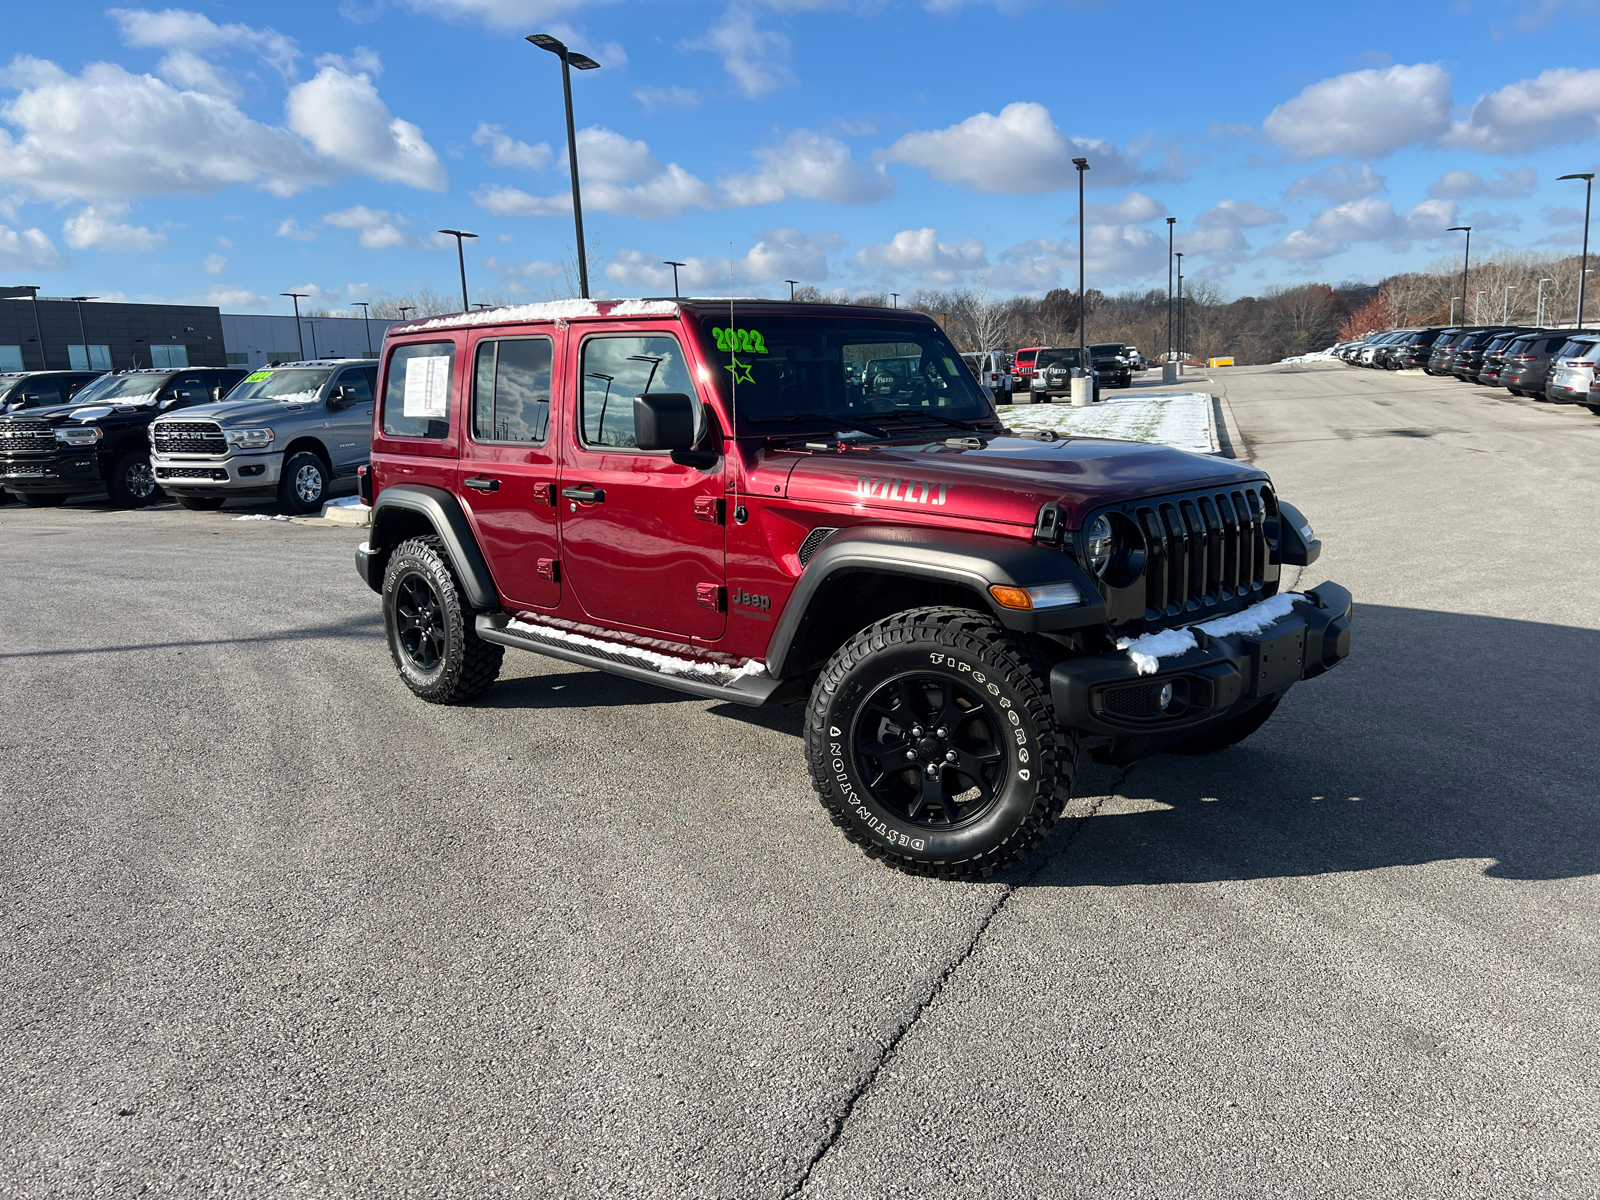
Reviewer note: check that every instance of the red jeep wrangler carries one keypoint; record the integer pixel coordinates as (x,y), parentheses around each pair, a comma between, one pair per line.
(774,503)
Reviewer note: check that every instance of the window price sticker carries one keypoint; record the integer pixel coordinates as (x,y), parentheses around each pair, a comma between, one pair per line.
(427,387)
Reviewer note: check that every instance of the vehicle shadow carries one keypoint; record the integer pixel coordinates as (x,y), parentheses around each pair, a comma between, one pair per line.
(1443,736)
(577,688)
(369,626)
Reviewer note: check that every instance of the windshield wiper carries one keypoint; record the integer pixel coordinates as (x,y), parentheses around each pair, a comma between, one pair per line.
(826,418)
(928,416)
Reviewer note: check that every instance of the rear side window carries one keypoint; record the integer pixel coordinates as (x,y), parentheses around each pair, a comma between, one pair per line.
(416,402)
(511,391)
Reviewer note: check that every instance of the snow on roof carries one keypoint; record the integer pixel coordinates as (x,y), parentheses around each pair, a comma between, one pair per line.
(554,310)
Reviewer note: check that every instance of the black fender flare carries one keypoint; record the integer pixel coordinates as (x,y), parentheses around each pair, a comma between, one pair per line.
(971,560)
(443,512)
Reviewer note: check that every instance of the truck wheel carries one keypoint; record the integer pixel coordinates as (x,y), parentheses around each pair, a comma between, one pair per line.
(303,486)
(1229,733)
(202,503)
(429,626)
(132,484)
(933,745)
(43,499)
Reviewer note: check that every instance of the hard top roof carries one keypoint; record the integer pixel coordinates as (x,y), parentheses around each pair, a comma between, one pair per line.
(703,307)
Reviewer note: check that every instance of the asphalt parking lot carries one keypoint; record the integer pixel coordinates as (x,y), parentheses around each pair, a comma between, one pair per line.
(276,928)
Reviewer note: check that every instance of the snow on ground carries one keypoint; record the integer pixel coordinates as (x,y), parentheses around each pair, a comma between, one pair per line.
(262,517)
(1300,358)
(1182,420)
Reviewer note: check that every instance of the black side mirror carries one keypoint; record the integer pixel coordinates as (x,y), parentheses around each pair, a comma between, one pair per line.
(339,398)
(663,421)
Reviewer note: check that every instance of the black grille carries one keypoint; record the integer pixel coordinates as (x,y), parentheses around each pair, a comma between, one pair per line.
(813,543)
(188,437)
(191,473)
(26,435)
(1136,701)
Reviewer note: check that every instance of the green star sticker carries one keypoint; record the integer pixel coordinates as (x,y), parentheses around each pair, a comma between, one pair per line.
(736,367)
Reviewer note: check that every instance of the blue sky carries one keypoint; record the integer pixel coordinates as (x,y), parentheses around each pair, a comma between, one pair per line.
(204,154)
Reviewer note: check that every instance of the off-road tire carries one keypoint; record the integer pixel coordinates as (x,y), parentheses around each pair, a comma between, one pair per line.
(1034,773)
(1229,733)
(130,476)
(466,664)
(43,499)
(201,503)
(290,483)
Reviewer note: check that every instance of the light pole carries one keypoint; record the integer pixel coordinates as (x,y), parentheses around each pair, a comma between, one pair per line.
(480,305)
(1466,229)
(1477,306)
(1083,365)
(461,257)
(569,59)
(1539,320)
(1170,223)
(675,265)
(366,321)
(1505,303)
(894,299)
(1181,355)
(298,336)
(312,321)
(403,309)
(791,283)
(1583,278)
(78,300)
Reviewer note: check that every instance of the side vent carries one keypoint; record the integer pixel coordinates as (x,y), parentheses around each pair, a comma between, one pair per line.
(813,543)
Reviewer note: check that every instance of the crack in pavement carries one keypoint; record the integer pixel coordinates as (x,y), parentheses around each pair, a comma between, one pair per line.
(889,1050)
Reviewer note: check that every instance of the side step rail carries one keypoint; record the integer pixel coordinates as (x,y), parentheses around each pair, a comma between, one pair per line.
(698,677)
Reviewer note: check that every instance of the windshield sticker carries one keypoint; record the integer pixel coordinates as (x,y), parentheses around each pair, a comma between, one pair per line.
(741,371)
(258,376)
(909,491)
(733,341)
(427,386)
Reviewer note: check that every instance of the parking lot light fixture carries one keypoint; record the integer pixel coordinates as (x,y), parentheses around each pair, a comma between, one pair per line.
(461,258)
(366,321)
(403,309)
(78,300)
(1539,319)
(582,62)
(894,299)
(1083,165)
(791,283)
(1465,257)
(1477,306)
(1583,275)
(298,336)
(1171,221)
(1505,303)
(1179,257)
(667,262)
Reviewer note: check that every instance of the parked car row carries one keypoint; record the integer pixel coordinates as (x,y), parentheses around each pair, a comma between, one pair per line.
(198,434)
(1558,365)
(1111,365)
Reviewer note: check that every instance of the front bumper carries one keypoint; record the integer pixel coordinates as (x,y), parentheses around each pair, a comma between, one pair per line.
(1104,695)
(46,472)
(229,475)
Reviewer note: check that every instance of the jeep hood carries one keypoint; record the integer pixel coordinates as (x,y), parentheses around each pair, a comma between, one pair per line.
(1007,479)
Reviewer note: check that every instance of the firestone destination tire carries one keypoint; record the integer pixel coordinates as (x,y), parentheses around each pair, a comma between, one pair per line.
(933,746)
(428,624)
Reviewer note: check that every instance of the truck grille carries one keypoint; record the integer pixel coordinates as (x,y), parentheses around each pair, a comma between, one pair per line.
(218,473)
(188,437)
(1203,550)
(26,435)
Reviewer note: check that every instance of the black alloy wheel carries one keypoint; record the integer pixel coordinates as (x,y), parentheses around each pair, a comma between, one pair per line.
(132,484)
(928,747)
(428,623)
(419,621)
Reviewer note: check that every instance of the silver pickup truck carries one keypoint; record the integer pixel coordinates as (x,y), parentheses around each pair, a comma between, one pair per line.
(287,430)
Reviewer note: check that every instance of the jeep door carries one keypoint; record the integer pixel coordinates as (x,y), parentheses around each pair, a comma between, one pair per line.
(642,539)
(508,468)
(348,419)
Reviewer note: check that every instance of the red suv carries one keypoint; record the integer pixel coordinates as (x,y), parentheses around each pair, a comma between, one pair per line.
(775,503)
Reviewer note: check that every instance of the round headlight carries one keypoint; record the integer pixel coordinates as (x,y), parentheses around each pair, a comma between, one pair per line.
(1097,543)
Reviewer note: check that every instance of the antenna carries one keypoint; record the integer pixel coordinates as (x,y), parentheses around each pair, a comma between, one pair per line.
(733,357)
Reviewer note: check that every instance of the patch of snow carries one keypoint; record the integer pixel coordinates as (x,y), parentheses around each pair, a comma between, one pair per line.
(1148,649)
(345,502)
(262,517)
(666,664)
(553,310)
(1182,420)
(1318,356)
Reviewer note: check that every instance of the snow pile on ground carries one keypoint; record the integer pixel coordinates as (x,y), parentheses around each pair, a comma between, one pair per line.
(1147,650)
(1319,356)
(347,510)
(666,664)
(262,517)
(1182,420)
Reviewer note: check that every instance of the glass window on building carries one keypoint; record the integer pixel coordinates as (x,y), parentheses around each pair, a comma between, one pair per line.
(169,356)
(91,358)
(11,358)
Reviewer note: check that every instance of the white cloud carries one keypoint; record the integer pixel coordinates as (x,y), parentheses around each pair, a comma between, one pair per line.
(518,15)
(756,58)
(235,297)
(1304,247)
(1334,230)
(1131,209)
(213,264)
(1238,214)
(809,166)
(1338,183)
(361,60)
(1365,114)
(606,156)
(181,30)
(1458,185)
(378,230)
(1114,255)
(1018,152)
(919,254)
(346,120)
(1432,218)
(505,151)
(653,99)
(535,269)
(1559,107)
(97,225)
(225,243)
(188,70)
(780,254)
(28,250)
(290,228)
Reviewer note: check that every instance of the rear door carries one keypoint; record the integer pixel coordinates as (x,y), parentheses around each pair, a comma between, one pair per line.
(641,536)
(508,465)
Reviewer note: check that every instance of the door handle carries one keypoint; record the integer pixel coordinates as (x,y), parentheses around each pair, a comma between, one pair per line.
(587,495)
(481,483)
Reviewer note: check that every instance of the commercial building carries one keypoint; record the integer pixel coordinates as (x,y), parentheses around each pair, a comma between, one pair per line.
(55,333)
(255,341)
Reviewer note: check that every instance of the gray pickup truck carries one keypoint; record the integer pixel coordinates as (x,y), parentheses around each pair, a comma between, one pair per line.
(288,430)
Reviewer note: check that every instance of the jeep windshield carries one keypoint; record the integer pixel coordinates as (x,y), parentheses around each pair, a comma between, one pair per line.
(808,372)
(282,383)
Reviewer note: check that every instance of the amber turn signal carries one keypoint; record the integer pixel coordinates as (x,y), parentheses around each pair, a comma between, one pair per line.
(1010,597)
